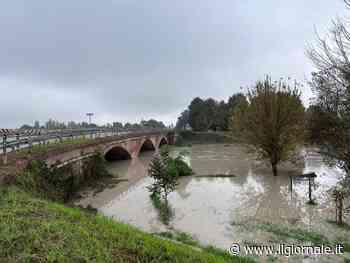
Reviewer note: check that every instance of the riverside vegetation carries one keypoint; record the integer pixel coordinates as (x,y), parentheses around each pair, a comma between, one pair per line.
(60,184)
(165,171)
(37,226)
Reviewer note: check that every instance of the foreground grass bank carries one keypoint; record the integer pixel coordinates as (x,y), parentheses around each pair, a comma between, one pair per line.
(36,230)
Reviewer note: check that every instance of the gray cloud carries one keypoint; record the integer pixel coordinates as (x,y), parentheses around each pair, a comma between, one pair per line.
(127,59)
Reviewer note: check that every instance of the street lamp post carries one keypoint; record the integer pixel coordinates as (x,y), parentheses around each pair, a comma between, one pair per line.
(89,114)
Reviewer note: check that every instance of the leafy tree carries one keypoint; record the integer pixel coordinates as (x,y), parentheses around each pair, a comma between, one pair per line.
(36,125)
(164,174)
(72,125)
(235,100)
(272,123)
(210,111)
(197,116)
(202,115)
(153,124)
(128,126)
(316,120)
(221,116)
(183,120)
(118,125)
(52,124)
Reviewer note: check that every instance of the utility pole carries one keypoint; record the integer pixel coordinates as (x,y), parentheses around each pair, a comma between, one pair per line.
(89,114)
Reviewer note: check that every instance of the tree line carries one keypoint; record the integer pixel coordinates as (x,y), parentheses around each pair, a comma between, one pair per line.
(208,114)
(52,124)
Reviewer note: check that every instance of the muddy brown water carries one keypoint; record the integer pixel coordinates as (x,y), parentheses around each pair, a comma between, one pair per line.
(219,211)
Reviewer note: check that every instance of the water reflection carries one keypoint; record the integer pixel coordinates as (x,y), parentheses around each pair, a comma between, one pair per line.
(208,207)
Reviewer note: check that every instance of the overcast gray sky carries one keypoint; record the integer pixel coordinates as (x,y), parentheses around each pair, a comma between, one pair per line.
(126,60)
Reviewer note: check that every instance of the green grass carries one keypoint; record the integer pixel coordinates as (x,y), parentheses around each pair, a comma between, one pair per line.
(180,237)
(36,230)
(284,233)
(344,225)
(347,247)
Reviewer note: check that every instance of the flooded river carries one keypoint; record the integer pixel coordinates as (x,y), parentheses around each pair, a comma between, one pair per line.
(220,211)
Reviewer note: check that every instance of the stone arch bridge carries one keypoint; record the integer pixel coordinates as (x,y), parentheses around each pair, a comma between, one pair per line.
(114,148)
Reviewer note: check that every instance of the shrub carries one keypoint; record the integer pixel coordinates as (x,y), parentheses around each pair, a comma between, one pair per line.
(182,167)
(60,184)
(95,167)
(54,184)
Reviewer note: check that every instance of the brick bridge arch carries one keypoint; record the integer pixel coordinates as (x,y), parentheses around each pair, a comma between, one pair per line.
(112,150)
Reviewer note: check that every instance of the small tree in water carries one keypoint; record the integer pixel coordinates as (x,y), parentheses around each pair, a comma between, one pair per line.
(271,121)
(340,193)
(164,173)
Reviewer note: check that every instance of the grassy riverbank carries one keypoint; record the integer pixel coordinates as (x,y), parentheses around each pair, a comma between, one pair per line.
(36,230)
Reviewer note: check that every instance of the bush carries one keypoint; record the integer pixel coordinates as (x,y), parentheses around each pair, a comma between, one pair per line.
(54,184)
(182,167)
(165,212)
(95,167)
(59,184)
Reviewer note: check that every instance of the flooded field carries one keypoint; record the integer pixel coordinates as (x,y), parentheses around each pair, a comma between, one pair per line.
(251,207)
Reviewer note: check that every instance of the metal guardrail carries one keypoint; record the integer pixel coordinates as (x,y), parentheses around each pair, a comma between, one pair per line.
(13,140)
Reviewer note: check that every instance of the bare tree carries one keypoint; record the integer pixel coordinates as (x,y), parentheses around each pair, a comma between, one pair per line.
(331,85)
(331,53)
(347,2)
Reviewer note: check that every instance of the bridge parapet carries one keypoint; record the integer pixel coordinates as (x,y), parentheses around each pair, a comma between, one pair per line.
(13,140)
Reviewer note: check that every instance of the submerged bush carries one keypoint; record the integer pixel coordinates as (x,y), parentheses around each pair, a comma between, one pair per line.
(165,171)
(182,167)
(165,213)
